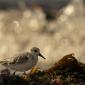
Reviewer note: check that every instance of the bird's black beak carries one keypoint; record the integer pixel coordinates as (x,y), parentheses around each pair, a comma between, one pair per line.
(41,56)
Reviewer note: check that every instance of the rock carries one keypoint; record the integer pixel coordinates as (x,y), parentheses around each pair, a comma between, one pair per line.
(5,73)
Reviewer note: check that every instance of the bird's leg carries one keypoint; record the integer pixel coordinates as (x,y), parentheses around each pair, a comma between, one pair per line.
(14,72)
(24,73)
(24,76)
(34,70)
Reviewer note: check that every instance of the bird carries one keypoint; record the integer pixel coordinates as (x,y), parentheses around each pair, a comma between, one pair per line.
(24,61)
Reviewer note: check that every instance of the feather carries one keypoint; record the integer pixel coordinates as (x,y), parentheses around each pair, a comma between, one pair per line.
(22,58)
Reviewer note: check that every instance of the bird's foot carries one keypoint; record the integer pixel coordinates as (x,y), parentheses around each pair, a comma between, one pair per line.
(34,70)
(24,76)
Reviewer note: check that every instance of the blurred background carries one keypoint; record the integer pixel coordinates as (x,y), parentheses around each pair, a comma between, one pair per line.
(57,27)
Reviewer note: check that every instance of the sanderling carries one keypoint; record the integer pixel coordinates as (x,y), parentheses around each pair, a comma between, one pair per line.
(24,62)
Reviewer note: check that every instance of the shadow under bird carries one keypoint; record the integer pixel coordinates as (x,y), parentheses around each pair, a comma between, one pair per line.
(24,62)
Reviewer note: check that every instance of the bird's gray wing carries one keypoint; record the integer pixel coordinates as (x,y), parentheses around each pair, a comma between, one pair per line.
(22,58)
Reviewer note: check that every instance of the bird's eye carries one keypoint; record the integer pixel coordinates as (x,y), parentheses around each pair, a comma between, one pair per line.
(35,50)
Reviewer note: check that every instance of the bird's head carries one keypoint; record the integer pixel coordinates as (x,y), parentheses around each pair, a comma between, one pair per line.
(36,51)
